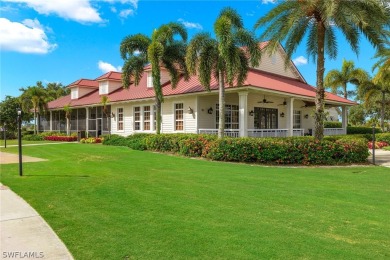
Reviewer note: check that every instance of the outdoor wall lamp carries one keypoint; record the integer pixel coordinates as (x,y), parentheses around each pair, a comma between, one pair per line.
(210,110)
(190,111)
(112,114)
(306,116)
(251,113)
(282,114)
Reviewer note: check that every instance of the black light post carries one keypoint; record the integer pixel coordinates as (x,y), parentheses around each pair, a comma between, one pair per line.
(5,134)
(373,144)
(20,140)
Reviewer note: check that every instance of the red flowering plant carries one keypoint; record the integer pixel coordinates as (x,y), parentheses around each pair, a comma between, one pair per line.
(378,145)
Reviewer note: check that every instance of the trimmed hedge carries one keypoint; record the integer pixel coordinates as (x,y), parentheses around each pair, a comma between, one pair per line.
(33,138)
(351,130)
(332,124)
(332,150)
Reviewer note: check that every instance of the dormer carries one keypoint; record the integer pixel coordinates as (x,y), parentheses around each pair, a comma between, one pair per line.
(164,76)
(82,87)
(109,82)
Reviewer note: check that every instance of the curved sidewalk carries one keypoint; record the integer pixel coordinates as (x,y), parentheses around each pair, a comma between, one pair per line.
(24,233)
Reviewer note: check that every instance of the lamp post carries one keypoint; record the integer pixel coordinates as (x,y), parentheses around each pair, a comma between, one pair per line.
(20,140)
(373,144)
(5,134)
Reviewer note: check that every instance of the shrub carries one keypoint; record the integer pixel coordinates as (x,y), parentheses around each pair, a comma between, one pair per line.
(289,151)
(332,124)
(383,137)
(52,133)
(61,138)
(91,140)
(137,141)
(32,138)
(195,146)
(378,145)
(166,142)
(115,140)
(361,130)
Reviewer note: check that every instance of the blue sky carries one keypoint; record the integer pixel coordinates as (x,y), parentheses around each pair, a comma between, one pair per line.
(65,40)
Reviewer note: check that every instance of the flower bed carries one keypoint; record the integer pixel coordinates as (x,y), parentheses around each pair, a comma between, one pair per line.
(61,138)
(91,140)
(378,145)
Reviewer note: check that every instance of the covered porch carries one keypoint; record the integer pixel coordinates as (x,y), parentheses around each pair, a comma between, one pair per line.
(258,113)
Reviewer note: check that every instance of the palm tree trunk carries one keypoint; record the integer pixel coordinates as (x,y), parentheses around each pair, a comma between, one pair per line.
(35,121)
(346,97)
(158,115)
(221,128)
(320,91)
(383,111)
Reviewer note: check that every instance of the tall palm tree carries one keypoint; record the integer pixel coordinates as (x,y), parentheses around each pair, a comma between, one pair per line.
(161,50)
(376,91)
(383,54)
(68,111)
(34,98)
(317,20)
(225,58)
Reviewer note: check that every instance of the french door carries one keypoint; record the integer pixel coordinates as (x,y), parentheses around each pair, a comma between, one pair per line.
(266,118)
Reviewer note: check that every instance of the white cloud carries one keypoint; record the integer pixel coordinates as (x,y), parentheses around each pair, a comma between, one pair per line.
(300,61)
(77,10)
(126,12)
(107,67)
(26,37)
(190,25)
(268,1)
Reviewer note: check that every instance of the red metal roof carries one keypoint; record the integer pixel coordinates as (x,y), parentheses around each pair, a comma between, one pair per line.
(86,83)
(256,79)
(111,75)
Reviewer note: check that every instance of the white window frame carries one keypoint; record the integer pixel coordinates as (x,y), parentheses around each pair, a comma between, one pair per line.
(74,93)
(103,88)
(149,80)
(297,114)
(144,117)
(231,115)
(118,121)
(174,116)
(152,118)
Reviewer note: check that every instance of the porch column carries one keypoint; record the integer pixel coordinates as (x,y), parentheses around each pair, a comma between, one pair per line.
(51,121)
(290,116)
(243,117)
(344,115)
(87,122)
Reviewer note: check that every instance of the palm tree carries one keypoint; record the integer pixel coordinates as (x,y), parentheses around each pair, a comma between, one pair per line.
(68,111)
(291,21)
(377,91)
(34,98)
(104,100)
(225,58)
(161,50)
(383,54)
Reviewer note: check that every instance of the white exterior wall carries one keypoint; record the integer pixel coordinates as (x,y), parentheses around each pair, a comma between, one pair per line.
(84,91)
(127,119)
(275,64)
(168,117)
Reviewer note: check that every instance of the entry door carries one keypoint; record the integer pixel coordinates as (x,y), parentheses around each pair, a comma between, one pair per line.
(266,118)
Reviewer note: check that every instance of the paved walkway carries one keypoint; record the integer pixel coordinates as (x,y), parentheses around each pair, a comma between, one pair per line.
(382,157)
(24,233)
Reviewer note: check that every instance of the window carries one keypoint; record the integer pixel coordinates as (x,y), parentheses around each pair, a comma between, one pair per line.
(149,82)
(179,117)
(297,119)
(74,93)
(120,119)
(266,118)
(146,118)
(103,88)
(137,118)
(231,117)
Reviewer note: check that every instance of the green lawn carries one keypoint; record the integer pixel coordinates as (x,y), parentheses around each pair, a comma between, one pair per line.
(15,142)
(112,203)
(387,148)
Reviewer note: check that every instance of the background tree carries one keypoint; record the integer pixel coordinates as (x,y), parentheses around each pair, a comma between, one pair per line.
(318,20)
(376,92)
(162,50)
(357,115)
(8,115)
(34,98)
(223,58)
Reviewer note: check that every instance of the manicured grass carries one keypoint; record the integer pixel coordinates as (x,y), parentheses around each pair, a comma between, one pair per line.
(15,142)
(387,148)
(112,202)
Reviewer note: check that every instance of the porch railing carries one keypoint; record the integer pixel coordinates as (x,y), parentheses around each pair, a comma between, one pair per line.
(228,132)
(333,131)
(255,132)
